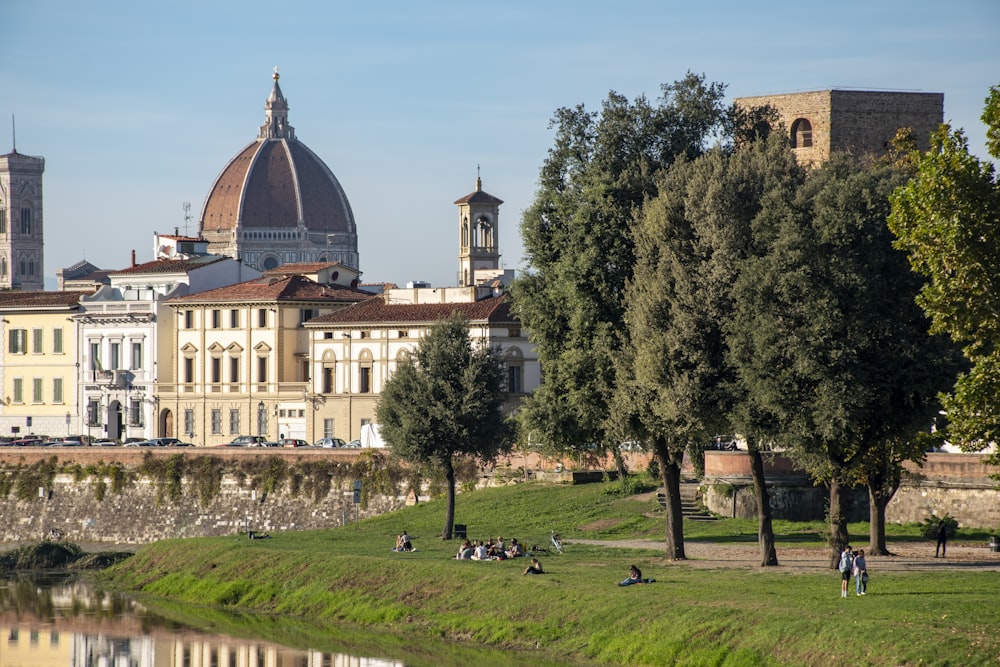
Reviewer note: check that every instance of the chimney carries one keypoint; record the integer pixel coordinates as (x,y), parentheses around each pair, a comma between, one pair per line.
(133,256)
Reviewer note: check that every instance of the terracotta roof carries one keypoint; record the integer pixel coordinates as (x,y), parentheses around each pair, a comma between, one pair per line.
(292,288)
(274,183)
(376,310)
(170,265)
(40,299)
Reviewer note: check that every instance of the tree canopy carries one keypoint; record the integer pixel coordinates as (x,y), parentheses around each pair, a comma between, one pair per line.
(948,219)
(444,400)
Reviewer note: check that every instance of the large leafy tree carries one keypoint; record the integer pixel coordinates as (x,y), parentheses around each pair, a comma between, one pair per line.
(948,219)
(446,400)
(826,335)
(578,243)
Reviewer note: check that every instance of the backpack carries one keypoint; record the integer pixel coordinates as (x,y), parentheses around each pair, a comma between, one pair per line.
(845,562)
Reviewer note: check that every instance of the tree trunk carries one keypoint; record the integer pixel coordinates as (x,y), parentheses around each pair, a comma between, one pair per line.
(878,500)
(838,522)
(449,516)
(616,451)
(765,532)
(670,472)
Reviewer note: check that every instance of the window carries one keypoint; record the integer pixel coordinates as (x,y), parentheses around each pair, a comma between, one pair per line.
(216,421)
(234,369)
(327,380)
(261,369)
(234,319)
(18,390)
(57,390)
(188,369)
(135,412)
(57,341)
(189,319)
(95,356)
(261,419)
(136,356)
(514,380)
(36,390)
(115,360)
(514,333)
(18,342)
(306,314)
(234,421)
(36,341)
(802,134)
(328,427)
(93,412)
(216,319)
(262,317)
(215,367)
(25,220)
(189,421)
(365,380)
(3,221)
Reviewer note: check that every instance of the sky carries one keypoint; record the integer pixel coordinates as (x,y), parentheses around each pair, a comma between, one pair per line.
(137,106)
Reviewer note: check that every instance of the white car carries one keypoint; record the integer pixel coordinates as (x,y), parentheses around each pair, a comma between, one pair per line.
(329,442)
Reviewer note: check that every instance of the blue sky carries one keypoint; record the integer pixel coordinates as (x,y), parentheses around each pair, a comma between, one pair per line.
(137,106)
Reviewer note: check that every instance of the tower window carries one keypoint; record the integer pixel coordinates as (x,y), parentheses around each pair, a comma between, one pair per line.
(802,134)
(25,220)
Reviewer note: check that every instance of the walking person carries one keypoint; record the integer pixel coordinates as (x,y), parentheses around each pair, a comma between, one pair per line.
(942,539)
(845,567)
(860,573)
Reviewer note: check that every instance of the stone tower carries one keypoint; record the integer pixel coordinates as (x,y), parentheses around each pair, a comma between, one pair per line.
(479,250)
(21,228)
(860,122)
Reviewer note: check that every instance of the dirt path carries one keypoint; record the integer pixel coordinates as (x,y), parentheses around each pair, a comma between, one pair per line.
(906,557)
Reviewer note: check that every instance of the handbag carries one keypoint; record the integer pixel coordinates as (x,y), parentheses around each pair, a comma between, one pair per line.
(864,578)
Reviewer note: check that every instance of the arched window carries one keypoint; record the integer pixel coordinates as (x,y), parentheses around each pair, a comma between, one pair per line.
(802,136)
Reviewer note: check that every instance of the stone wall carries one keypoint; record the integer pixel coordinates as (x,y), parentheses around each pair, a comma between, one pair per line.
(958,485)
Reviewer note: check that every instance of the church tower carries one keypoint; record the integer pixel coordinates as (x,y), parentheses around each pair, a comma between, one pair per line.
(479,250)
(21,222)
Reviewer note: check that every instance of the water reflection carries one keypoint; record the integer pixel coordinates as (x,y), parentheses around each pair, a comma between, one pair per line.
(50,622)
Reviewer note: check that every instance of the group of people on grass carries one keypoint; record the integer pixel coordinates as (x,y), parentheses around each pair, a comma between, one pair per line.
(403,542)
(852,564)
(490,549)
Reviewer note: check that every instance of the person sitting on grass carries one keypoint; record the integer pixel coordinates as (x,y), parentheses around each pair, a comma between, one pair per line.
(403,543)
(534,568)
(634,577)
(464,551)
(480,551)
(515,549)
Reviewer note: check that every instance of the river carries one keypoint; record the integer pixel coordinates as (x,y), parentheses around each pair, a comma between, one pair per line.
(55,621)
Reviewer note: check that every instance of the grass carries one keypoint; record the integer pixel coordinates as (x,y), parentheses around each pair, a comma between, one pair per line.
(348,578)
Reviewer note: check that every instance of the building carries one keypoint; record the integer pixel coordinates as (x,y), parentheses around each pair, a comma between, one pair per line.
(39,363)
(126,334)
(860,122)
(479,250)
(237,361)
(276,202)
(21,258)
(355,350)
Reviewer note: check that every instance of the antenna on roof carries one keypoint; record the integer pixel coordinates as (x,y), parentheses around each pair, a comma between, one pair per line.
(187,217)
(13,134)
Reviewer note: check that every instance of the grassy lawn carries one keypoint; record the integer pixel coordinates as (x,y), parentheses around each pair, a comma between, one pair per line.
(349,577)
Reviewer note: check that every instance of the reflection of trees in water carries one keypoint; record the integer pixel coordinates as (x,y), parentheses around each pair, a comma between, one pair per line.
(54,597)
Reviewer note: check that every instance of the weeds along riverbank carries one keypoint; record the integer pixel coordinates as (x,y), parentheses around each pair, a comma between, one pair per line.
(576,612)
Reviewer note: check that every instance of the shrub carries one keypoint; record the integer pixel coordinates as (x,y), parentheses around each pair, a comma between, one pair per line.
(929,527)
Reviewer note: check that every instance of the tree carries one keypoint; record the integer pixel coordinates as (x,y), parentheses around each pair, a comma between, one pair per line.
(947,219)
(445,400)
(826,335)
(580,254)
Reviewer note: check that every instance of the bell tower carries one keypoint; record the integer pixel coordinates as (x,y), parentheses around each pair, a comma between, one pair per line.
(478,246)
(21,222)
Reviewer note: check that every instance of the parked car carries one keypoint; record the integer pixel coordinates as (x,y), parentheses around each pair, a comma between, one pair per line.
(247,441)
(29,442)
(104,442)
(293,442)
(329,442)
(356,443)
(167,442)
(132,441)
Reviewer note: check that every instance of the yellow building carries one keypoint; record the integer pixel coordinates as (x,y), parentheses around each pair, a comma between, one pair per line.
(39,368)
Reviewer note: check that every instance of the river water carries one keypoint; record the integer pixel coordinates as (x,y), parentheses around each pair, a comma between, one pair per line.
(52,621)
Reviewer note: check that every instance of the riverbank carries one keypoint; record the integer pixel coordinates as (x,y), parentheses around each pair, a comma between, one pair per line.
(697,611)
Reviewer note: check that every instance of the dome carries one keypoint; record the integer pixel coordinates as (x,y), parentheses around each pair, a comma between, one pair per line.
(276,199)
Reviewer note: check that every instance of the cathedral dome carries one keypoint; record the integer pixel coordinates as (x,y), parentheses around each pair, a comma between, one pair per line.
(276,201)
